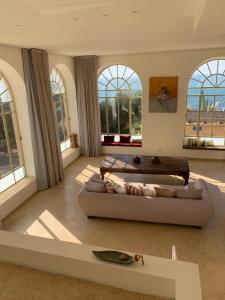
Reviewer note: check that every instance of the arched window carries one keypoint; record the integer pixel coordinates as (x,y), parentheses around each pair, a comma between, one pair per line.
(120,93)
(11,157)
(205,117)
(61,108)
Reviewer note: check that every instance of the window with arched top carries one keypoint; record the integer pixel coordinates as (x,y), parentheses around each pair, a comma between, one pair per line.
(205,116)
(11,156)
(120,94)
(61,108)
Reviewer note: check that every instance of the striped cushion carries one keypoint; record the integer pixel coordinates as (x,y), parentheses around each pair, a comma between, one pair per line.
(133,190)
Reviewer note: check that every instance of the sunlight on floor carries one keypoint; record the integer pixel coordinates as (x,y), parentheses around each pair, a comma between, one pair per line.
(86,174)
(207,179)
(49,227)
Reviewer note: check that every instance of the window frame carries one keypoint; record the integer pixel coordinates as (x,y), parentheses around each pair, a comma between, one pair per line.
(16,131)
(116,89)
(212,106)
(63,102)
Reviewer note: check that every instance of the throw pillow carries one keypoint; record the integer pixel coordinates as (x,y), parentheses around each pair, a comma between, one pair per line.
(125,139)
(97,180)
(109,188)
(118,189)
(133,190)
(148,192)
(189,194)
(109,138)
(168,193)
(95,187)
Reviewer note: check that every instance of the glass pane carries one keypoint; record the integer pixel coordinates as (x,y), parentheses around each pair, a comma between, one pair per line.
(191,127)
(3,86)
(221,80)
(121,70)
(204,70)
(214,91)
(205,128)
(213,80)
(198,76)
(193,103)
(213,65)
(128,73)
(122,83)
(218,129)
(110,87)
(220,103)
(113,115)
(133,78)
(110,94)
(4,156)
(101,86)
(107,74)
(124,86)
(6,182)
(7,107)
(194,92)
(221,68)
(55,88)
(194,84)
(101,94)
(124,114)
(102,80)
(12,140)
(102,106)
(114,83)
(53,75)
(113,71)
(207,83)
(6,97)
(136,116)
(59,118)
(206,102)
(136,88)
(19,173)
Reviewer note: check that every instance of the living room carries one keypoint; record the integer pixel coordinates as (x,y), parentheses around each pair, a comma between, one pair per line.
(53,157)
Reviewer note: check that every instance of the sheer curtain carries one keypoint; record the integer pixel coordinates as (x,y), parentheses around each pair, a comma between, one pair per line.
(47,154)
(87,104)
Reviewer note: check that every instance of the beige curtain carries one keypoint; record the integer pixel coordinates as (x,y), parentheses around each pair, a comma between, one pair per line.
(46,147)
(87,104)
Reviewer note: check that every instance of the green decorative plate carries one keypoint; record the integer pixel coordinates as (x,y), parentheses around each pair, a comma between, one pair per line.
(114,256)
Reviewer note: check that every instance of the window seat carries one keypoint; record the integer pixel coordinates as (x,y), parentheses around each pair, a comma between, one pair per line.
(132,144)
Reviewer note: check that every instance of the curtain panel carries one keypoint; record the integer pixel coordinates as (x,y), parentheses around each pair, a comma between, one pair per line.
(46,147)
(87,104)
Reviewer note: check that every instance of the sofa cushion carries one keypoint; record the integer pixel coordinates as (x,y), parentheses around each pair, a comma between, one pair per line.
(119,189)
(167,193)
(109,138)
(189,194)
(133,190)
(109,188)
(148,191)
(124,139)
(95,187)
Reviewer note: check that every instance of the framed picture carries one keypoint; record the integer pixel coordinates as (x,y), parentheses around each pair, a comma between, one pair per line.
(163,94)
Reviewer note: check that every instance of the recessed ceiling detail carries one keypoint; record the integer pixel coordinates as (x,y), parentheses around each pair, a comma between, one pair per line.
(132,26)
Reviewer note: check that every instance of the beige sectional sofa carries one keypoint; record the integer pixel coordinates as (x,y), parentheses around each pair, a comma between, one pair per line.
(151,209)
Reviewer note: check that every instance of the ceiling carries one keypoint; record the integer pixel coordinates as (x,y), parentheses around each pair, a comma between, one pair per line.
(101,27)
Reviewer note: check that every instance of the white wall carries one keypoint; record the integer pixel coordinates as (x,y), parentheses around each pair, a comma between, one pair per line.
(163,132)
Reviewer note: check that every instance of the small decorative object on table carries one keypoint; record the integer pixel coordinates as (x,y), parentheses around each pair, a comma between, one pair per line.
(155,160)
(137,159)
(117,257)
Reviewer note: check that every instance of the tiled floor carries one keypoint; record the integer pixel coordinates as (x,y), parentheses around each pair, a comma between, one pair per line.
(55,213)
